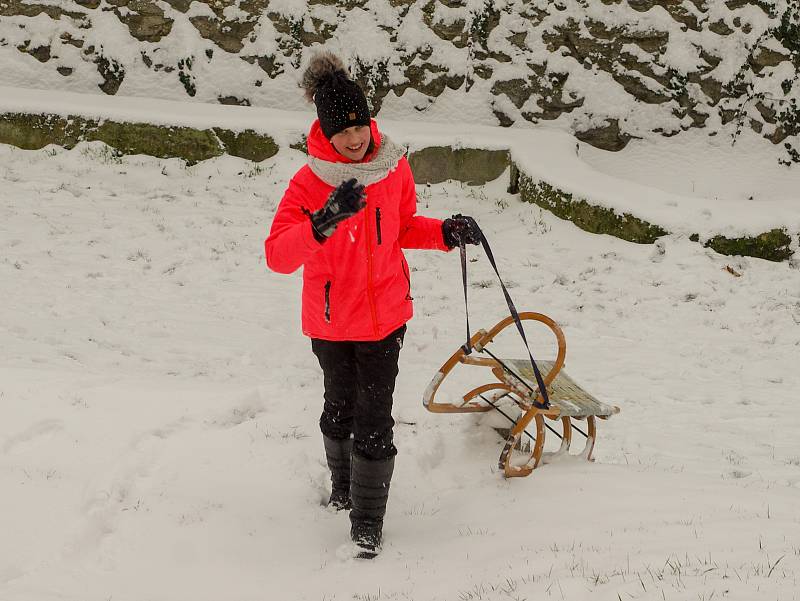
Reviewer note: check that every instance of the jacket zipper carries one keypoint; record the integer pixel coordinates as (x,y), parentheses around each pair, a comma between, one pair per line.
(408,279)
(328,301)
(378,222)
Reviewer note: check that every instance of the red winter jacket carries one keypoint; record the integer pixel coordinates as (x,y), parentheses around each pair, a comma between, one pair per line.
(356,285)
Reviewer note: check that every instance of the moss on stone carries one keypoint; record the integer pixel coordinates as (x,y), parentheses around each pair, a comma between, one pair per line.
(163,142)
(475,167)
(32,132)
(774,245)
(589,217)
(247,144)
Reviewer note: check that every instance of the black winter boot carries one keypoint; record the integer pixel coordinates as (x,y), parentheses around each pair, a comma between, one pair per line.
(369,488)
(337,453)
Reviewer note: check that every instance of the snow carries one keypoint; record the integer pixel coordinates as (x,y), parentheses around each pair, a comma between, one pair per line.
(697,166)
(159,406)
(291,9)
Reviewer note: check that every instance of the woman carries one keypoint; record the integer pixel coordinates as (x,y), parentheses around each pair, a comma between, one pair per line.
(344,218)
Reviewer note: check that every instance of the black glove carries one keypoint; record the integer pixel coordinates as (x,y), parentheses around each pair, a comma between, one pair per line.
(460,229)
(346,200)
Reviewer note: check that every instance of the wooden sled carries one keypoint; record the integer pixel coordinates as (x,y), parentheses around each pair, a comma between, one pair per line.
(515,379)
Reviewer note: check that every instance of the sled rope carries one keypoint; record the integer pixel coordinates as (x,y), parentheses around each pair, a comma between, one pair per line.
(468,347)
(462,249)
(508,417)
(528,434)
(518,377)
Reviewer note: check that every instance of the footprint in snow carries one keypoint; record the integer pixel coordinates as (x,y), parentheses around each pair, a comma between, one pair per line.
(36,432)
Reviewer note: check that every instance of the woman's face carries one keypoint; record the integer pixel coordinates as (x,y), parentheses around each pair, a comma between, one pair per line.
(352,142)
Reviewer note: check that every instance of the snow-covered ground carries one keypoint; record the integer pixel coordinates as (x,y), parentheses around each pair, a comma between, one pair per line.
(159,406)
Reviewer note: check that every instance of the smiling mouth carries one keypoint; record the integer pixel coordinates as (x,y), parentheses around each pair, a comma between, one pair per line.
(355,148)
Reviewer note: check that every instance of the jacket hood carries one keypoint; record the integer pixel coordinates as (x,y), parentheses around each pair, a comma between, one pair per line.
(320,147)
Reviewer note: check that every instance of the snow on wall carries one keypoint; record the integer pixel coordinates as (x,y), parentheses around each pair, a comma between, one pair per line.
(612,70)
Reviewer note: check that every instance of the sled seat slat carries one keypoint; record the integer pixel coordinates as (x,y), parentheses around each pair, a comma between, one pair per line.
(565,394)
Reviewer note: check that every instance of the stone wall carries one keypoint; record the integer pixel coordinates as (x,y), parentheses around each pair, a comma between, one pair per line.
(430,165)
(35,131)
(609,70)
(774,245)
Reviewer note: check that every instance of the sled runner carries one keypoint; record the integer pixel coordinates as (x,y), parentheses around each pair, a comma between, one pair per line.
(562,400)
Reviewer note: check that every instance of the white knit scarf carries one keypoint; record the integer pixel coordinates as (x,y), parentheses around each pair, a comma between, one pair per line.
(373,171)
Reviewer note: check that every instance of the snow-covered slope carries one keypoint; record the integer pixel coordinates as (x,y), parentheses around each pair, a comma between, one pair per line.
(159,406)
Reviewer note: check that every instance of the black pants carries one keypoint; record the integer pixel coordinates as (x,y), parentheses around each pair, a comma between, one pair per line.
(359,384)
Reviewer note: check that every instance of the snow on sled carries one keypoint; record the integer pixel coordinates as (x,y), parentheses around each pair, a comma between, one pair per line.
(515,382)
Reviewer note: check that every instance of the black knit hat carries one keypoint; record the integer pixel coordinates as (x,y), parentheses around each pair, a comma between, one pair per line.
(339,100)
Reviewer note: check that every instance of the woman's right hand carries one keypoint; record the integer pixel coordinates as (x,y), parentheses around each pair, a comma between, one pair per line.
(461,229)
(347,199)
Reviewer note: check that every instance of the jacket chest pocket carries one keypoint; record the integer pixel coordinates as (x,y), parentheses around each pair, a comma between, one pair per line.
(385,221)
